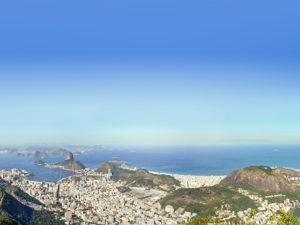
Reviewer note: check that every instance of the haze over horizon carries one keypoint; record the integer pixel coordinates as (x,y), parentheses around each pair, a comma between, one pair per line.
(158,73)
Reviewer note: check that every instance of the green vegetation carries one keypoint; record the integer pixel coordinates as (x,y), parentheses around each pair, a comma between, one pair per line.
(71,164)
(287,218)
(205,200)
(124,189)
(44,217)
(68,164)
(264,169)
(12,208)
(13,190)
(7,221)
(105,166)
(139,178)
(262,193)
(211,221)
(252,213)
(282,219)
(14,212)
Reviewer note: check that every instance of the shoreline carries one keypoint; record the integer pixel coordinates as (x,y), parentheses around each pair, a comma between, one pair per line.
(193,181)
(190,181)
(186,181)
(179,174)
(171,174)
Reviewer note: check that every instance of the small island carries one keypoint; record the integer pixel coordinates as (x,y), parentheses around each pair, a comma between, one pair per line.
(69,164)
(39,154)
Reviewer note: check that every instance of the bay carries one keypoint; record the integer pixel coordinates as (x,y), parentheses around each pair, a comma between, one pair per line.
(192,160)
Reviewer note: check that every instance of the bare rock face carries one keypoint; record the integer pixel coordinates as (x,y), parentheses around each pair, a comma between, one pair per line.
(261,176)
(69,156)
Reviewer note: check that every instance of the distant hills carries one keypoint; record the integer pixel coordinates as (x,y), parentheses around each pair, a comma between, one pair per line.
(39,154)
(43,151)
(205,200)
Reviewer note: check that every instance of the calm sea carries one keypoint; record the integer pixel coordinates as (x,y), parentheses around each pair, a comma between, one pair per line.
(205,160)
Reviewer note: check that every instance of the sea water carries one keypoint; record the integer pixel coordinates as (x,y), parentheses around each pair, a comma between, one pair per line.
(203,160)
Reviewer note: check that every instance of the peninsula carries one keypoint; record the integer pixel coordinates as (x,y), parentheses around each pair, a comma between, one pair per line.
(69,164)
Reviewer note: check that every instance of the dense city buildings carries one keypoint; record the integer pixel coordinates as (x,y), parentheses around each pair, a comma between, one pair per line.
(90,197)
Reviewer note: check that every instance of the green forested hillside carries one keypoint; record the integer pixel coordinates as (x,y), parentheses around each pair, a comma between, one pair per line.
(261,181)
(14,212)
(205,200)
(7,221)
(140,177)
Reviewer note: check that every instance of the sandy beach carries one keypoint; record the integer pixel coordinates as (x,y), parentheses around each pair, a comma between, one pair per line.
(191,181)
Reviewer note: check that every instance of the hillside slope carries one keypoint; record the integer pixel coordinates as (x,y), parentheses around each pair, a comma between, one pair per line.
(12,211)
(261,176)
(261,181)
(139,178)
(205,200)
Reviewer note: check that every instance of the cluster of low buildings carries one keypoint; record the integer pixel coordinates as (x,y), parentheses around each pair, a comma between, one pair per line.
(265,211)
(14,174)
(188,181)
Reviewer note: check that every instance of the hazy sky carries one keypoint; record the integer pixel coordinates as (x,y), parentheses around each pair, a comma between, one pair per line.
(149,72)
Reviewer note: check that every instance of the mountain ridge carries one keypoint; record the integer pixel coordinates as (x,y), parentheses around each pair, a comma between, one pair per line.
(261,176)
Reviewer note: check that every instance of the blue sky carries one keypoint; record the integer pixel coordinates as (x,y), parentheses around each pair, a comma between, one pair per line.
(149,72)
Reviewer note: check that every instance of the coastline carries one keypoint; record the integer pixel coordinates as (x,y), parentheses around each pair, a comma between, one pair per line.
(50,166)
(186,181)
(193,181)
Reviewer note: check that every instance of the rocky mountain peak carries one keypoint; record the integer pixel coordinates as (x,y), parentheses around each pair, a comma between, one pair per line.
(69,156)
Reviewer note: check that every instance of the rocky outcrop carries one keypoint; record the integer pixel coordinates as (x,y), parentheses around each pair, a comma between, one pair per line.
(68,164)
(71,165)
(260,176)
(69,156)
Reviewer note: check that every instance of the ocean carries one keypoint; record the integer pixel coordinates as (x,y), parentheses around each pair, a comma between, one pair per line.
(204,160)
